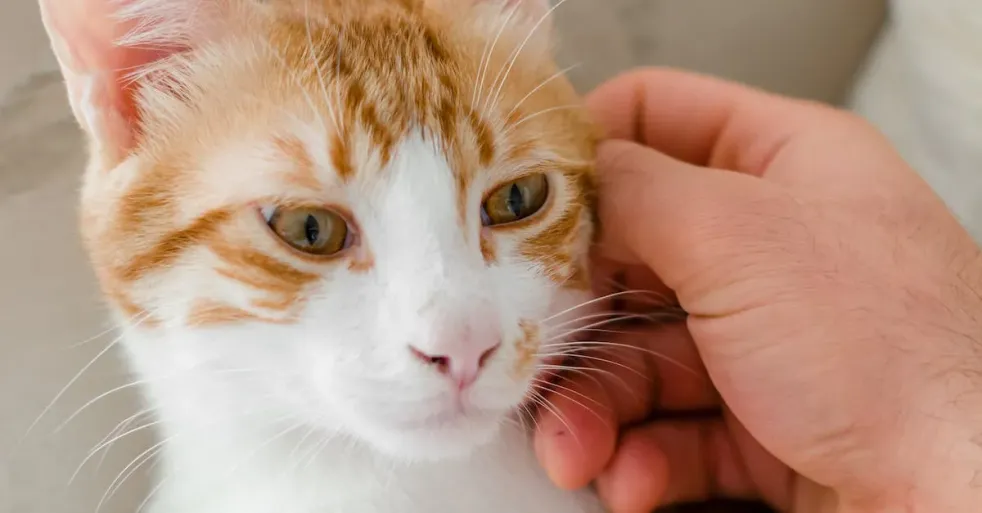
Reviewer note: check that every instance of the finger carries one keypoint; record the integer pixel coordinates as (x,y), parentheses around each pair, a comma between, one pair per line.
(632,288)
(696,460)
(706,121)
(637,479)
(772,478)
(654,368)
(673,462)
(576,432)
(616,382)
(692,226)
(684,384)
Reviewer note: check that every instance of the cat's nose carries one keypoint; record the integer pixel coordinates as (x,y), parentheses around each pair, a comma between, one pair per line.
(462,366)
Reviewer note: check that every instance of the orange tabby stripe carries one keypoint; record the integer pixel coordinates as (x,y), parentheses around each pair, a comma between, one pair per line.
(527,348)
(305,172)
(173,244)
(205,313)
(488,251)
(263,272)
(550,247)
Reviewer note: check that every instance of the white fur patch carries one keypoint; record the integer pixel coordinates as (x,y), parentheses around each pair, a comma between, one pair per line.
(346,418)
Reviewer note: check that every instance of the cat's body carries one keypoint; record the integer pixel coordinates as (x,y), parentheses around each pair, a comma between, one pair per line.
(345,241)
(923,89)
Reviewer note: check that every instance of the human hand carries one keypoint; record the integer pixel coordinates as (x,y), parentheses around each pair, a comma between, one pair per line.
(833,300)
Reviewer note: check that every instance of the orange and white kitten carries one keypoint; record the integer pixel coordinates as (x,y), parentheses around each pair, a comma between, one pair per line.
(342,238)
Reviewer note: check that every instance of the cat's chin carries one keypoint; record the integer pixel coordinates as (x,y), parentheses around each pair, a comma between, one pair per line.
(435,440)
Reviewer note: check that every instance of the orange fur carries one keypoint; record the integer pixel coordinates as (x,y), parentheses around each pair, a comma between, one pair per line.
(305,172)
(206,313)
(527,347)
(372,71)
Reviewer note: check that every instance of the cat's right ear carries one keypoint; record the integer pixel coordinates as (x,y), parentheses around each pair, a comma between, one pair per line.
(99,43)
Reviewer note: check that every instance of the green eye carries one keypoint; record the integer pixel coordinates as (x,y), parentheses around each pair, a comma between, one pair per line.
(515,200)
(314,231)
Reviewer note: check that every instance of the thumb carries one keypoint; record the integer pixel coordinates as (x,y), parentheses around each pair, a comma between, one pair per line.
(693,226)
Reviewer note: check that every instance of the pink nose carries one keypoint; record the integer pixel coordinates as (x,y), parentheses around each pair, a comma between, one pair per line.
(462,367)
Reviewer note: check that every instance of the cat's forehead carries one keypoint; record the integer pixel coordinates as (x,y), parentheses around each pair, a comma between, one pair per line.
(370,81)
(375,91)
(375,76)
(384,76)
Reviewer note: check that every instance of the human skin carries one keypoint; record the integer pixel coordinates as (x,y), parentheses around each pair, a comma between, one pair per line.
(835,314)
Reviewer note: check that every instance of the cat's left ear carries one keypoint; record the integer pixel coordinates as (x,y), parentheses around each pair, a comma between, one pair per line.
(100,43)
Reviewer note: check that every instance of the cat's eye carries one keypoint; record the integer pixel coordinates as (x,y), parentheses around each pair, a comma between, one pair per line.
(515,200)
(315,231)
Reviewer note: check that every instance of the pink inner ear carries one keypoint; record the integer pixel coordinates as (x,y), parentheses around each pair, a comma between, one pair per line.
(85,35)
(121,63)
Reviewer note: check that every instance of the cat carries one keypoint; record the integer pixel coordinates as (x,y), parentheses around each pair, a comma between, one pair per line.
(922,87)
(344,241)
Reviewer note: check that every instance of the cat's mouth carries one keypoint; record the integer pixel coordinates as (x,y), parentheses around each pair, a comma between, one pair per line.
(450,419)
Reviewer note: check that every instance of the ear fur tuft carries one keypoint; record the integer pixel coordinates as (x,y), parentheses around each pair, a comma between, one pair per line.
(102,44)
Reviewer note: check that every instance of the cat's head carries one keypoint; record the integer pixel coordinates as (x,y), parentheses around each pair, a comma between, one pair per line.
(380,208)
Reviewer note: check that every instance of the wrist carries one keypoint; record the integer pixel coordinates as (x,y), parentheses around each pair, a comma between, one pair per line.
(949,482)
(930,461)
(948,475)
(947,479)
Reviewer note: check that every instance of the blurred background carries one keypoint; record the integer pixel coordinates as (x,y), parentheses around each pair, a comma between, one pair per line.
(50,314)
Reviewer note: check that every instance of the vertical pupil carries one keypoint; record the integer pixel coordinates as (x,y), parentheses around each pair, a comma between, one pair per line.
(515,202)
(312,230)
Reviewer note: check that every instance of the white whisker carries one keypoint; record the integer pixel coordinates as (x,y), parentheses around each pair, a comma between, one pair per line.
(129,469)
(534,115)
(570,390)
(593,327)
(312,455)
(537,88)
(93,338)
(612,362)
(108,441)
(487,61)
(150,495)
(71,382)
(310,432)
(296,79)
(611,318)
(544,402)
(594,301)
(293,427)
(621,381)
(317,64)
(578,370)
(122,426)
(97,399)
(588,344)
(530,415)
(514,58)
